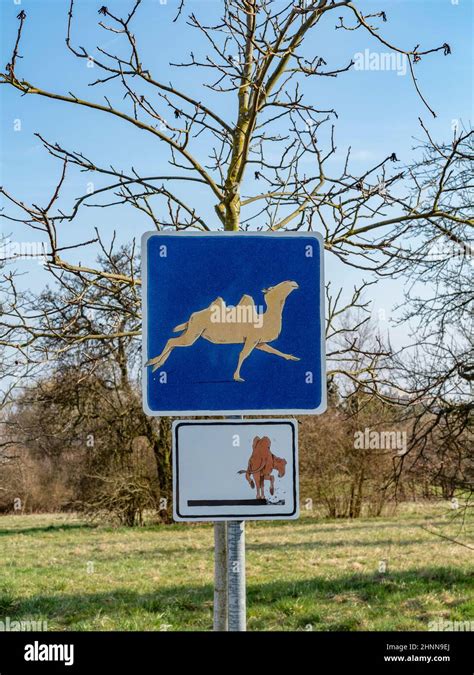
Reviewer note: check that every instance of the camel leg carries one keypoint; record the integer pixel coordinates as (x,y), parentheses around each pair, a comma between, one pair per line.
(271,350)
(248,476)
(249,346)
(185,340)
(272,484)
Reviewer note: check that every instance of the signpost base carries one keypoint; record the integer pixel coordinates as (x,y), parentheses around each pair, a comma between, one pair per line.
(236,576)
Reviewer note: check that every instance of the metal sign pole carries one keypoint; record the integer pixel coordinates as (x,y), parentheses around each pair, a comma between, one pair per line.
(236,575)
(220,576)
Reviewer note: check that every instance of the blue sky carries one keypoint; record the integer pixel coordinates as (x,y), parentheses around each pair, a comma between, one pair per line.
(378,111)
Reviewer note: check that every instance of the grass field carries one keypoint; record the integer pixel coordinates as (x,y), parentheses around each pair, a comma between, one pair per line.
(311,574)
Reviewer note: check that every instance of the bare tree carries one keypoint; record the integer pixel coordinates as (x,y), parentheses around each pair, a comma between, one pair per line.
(437,372)
(266,165)
(12,373)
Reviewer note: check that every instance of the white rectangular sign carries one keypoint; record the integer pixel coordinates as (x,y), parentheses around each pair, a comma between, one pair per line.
(235,470)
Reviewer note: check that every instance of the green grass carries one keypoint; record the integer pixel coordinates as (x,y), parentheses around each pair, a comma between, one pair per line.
(311,574)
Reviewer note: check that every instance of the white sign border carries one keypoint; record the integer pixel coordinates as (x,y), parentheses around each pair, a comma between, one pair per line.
(235,422)
(276,411)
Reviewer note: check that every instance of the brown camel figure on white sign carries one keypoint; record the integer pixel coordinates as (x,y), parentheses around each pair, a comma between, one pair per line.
(261,464)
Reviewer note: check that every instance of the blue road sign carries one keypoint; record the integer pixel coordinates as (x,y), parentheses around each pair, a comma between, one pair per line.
(233,323)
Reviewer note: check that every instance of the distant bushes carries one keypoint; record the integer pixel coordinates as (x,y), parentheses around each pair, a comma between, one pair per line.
(81,443)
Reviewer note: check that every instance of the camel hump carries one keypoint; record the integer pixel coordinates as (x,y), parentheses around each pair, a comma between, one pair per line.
(217,301)
(246,301)
(216,307)
(202,314)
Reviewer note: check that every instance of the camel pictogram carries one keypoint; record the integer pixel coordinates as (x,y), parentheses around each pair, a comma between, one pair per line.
(261,464)
(252,333)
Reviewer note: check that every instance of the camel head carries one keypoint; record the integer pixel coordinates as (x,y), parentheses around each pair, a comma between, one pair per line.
(280,466)
(279,292)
